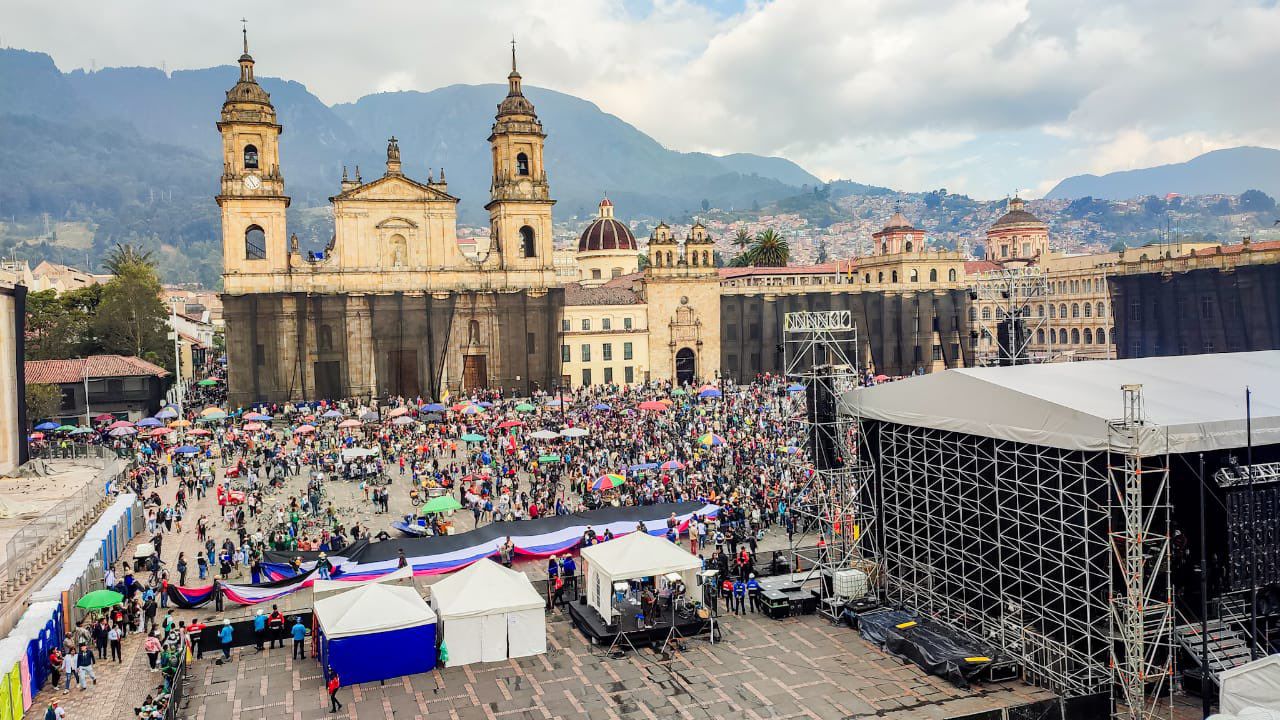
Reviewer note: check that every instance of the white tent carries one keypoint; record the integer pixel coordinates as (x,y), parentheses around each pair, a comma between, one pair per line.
(400,576)
(1192,403)
(633,556)
(374,608)
(1251,685)
(488,612)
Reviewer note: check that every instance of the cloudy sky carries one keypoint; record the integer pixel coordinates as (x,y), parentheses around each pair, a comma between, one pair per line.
(977,96)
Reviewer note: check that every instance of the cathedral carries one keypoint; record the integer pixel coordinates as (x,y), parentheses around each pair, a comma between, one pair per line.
(391,306)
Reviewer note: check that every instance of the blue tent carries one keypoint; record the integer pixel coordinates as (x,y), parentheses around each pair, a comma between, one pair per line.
(375,632)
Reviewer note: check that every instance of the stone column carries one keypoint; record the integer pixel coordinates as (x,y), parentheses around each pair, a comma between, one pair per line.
(288,379)
(361,374)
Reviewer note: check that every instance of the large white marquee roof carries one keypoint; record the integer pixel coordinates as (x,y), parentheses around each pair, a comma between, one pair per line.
(1192,403)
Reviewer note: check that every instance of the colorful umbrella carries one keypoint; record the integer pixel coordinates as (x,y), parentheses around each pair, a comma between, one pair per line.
(149,422)
(548,459)
(459,407)
(402,420)
(66,428)
(160,432)
(710,440)
(199,432)
(254,427)
(100,599)
(349,424)
(608,482)
(472,438)
(213,417)
(213,410)
(709,392)
(207,382)
(444,503)
(81,431)
(601,406)
(187,450)
(472,410)
(180,424)
(672,465)
(334,414)
(119,424)
(122,432)
(393,414)
(167,414)
(678,392)
(653,405)
(525,407)
(36,436)
(304,429)
(507,424)
(261,417)
(47,426)
(432,407)
(545,435)
(369,417)
(485,404)
(574,432)
(104,417)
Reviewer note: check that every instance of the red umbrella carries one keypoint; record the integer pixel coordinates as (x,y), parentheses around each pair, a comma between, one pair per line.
(119,424)
(158,432)
(459,407)
(653,405)
(36,436)
(510,424)
(104,417)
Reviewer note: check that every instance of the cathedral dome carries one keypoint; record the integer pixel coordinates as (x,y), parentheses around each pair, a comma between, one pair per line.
(606,233)
(1016,215)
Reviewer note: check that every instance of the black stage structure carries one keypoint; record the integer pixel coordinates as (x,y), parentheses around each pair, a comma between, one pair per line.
(1052,511)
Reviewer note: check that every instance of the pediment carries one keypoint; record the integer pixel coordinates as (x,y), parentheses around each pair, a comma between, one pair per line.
(395,188)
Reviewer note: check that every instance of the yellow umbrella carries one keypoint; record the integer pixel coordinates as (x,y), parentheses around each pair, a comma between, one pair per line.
(212,409)
(180,423)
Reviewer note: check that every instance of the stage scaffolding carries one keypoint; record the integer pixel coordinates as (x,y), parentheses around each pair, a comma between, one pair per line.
(835,509)
(1004,298)
(1058,558)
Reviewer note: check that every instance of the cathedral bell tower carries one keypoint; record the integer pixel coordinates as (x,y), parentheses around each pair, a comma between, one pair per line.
(520,200)
(254,237)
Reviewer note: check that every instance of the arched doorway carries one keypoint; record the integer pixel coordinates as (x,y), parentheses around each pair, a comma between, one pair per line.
(686,366)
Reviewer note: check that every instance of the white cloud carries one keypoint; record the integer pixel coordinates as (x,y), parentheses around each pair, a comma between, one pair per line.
(976,95)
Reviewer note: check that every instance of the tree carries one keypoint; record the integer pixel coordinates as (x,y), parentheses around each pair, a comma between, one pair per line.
(1153,206)
(1222,207)
(741,239)
(770,249)
(43,401)
(1117,246)
(642,261)
(60,326)
(131,319)
(1256,201)
(124,256)
(820,255)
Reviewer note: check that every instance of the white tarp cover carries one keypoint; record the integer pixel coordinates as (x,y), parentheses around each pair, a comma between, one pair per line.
(1252,685)
(400,576)
(372,609)
(632,556)
(1199,400)
(488,613)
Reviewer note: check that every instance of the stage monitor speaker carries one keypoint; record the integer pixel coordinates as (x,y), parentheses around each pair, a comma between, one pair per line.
(821,409)
(1253,519)
(1012,336)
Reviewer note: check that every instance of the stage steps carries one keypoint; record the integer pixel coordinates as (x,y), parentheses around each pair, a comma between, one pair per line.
(1228,646)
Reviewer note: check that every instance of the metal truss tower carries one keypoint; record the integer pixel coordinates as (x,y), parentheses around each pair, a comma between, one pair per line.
(1142,613)
(835,508)
(1006,325)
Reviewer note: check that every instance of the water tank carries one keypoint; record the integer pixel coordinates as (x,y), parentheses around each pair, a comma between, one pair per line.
(852,584)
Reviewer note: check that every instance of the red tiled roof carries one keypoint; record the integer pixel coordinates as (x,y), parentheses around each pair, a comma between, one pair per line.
(57,372)
(1234,249)
(973,267)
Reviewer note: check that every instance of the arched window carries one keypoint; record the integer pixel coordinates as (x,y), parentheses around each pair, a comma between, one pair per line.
(250,157)
(668,258)
(473,332)
(1101,312)
(1053,311)
(1040,311)
(1111,336)
(986,313)
(894,276)
(867,279)
(1088,336)
(706,259)
(908,246)
(951,275)
(1088,310)
(1101,336)
(693,259)
(595,274)
(657,259)
(933,275)
(1040,336)
(526,242)
(522,164)
(1062,310)
(1075,310)
(915,275)
(1062,336)
(1075,336)
(880,277)
(255,243)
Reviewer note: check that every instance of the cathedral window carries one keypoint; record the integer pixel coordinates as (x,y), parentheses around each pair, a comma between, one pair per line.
(915,275)
(250,157)
(867,278)
(595,274)
(522,164)
(668,258)
(526,242)
(255,243)
(894,276)
(951,275)
(909,246)
(473,333)
(880,277)
(694,258)
(706,259)
(933,275)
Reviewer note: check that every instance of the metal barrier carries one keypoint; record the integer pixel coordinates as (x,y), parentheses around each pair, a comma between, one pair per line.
(74,451)
(177,688)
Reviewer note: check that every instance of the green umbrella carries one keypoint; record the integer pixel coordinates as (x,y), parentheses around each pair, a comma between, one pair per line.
(472,438)
(547,459)
(444,503)
(66,428)
(525,407)
(99,599)
(679,391)
(207,382)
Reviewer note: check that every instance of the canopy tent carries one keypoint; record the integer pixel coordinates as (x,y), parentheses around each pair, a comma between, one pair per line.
(488,613)
(1251,685)
(1192,403)
(324,588)
(636,555)
(375,632)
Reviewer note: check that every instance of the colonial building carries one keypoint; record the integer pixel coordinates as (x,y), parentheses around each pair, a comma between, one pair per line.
(392,306)
(1221,299)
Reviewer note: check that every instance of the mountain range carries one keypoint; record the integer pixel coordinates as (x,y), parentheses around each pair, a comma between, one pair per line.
(1220,172)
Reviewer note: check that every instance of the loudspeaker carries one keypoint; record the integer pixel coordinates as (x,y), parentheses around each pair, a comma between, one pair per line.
(1012,336)
(824,435)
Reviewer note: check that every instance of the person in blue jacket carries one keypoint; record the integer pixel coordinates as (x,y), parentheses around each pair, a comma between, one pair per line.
(259,630)
(225,635)
(753,593)
(739,596)
(299,639)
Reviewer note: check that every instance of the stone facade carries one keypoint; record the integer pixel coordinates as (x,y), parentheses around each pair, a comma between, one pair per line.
(392,306)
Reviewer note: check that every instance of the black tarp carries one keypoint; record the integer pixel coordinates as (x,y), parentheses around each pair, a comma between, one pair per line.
(930,645)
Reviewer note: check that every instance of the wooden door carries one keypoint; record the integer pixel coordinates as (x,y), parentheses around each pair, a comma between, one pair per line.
(475,373)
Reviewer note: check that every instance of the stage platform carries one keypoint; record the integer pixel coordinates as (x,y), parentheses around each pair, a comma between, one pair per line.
(587,620)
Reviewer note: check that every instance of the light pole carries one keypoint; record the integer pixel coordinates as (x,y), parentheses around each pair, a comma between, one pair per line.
(177,364)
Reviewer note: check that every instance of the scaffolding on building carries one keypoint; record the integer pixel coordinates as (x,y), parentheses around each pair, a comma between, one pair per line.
(1142,613)
(834,510)
(1007,328)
